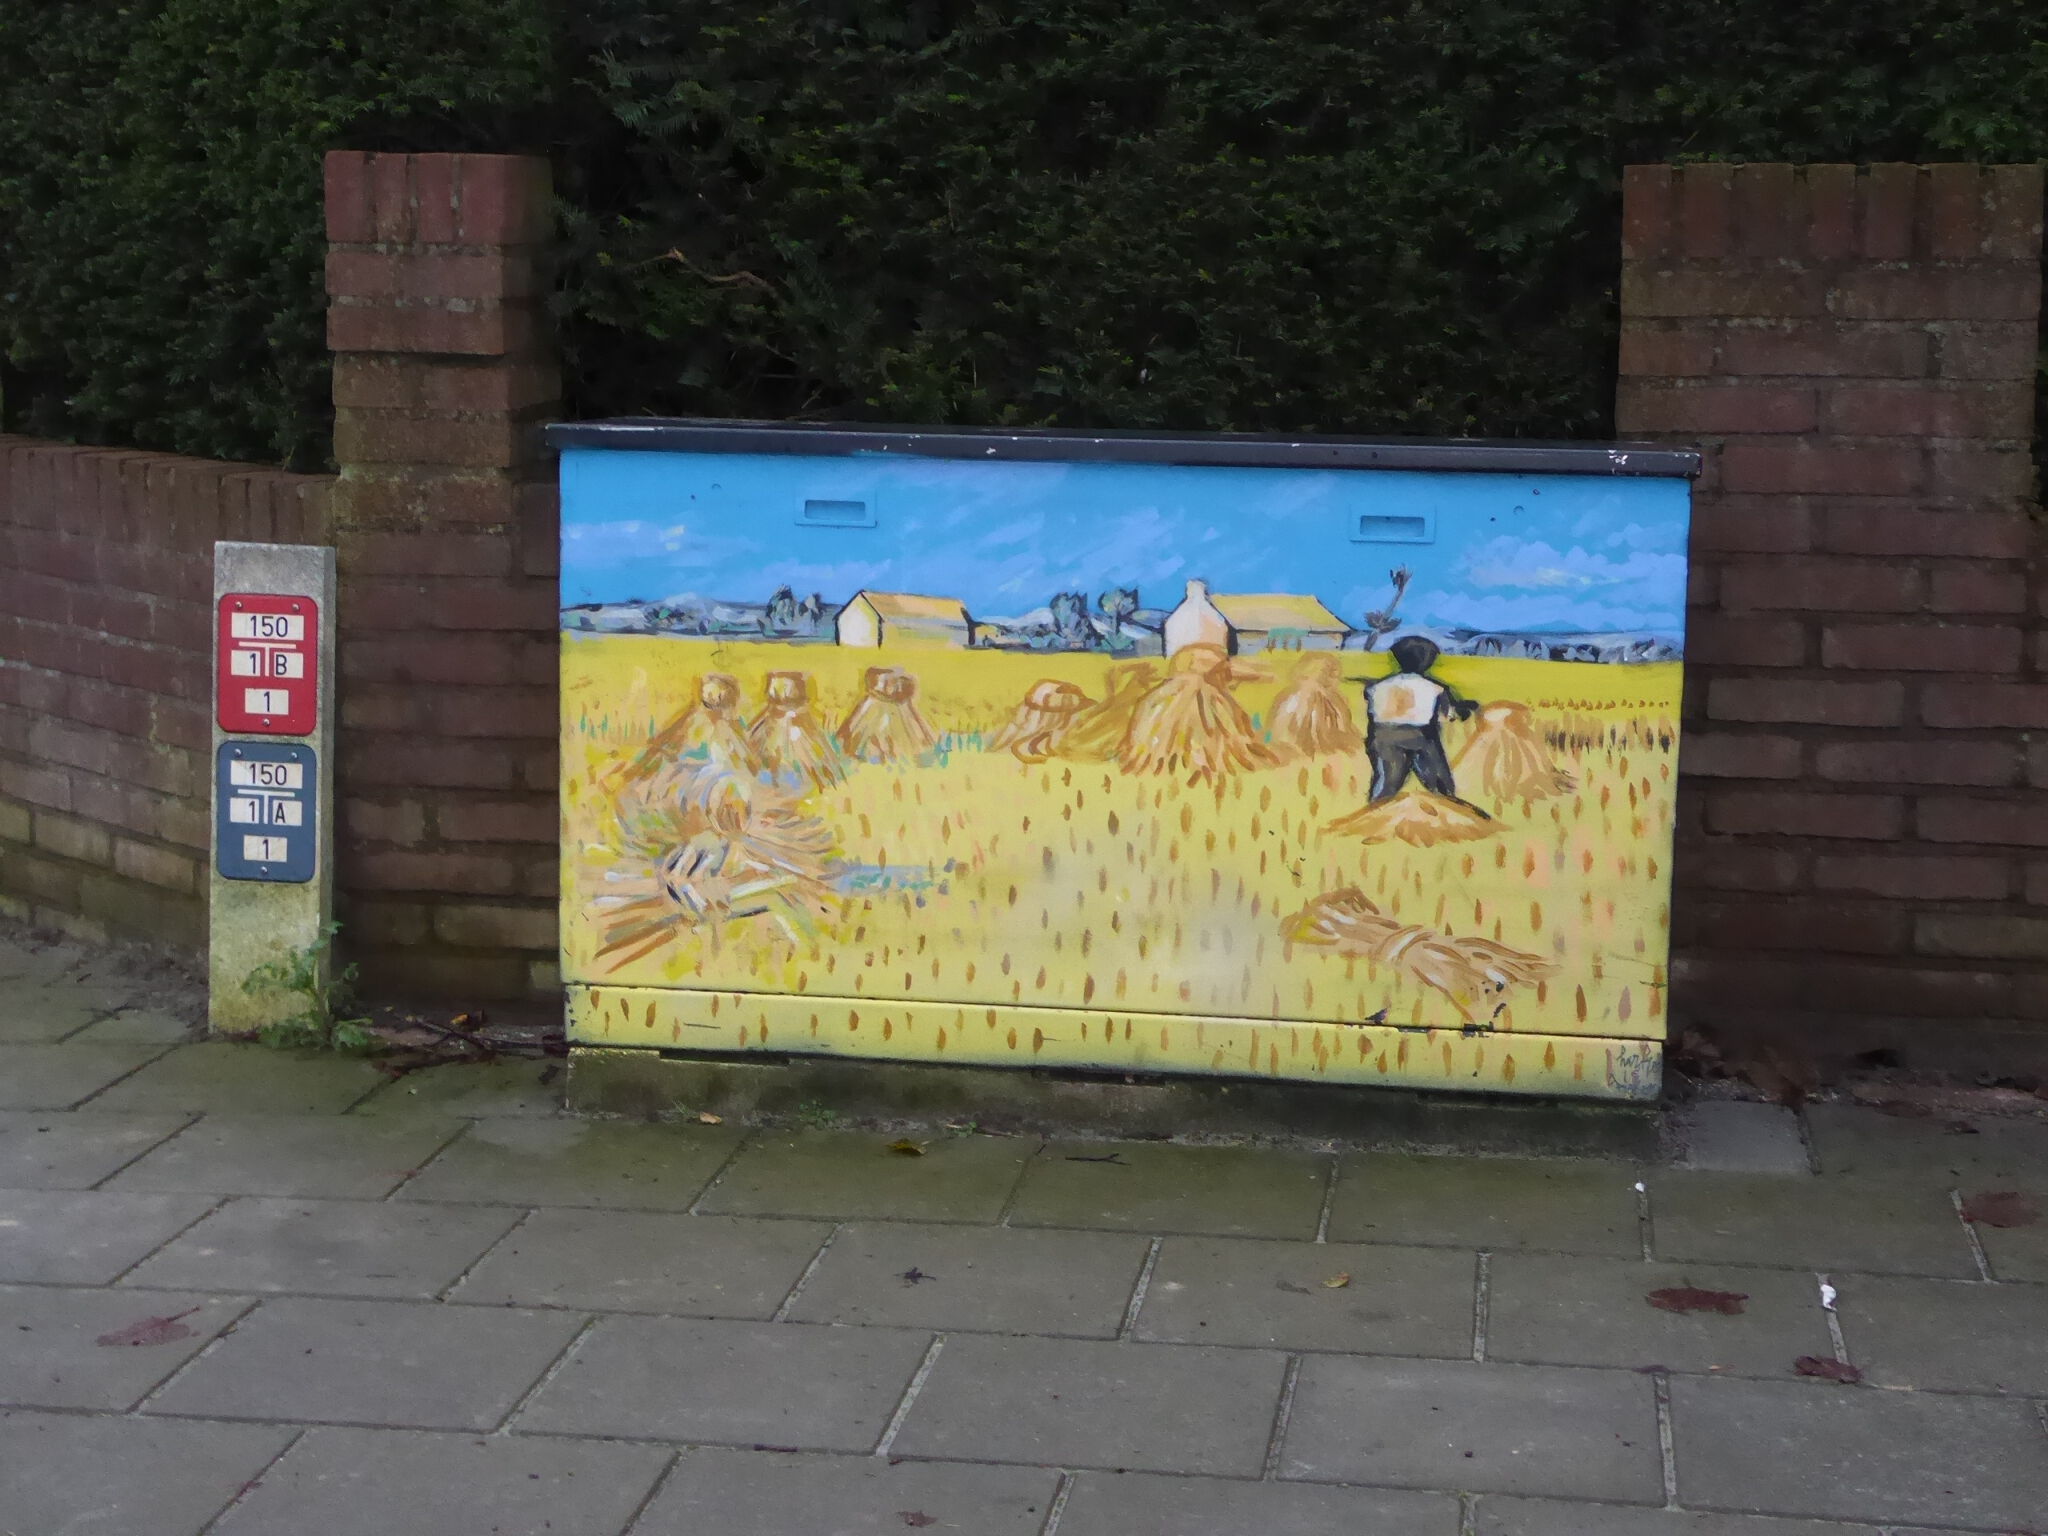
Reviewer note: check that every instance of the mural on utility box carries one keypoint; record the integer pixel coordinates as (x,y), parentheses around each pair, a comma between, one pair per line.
(1046,747)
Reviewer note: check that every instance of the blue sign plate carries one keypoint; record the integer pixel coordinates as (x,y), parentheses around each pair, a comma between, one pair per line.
(265,810)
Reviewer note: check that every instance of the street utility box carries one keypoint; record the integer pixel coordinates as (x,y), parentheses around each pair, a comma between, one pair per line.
(1319,759)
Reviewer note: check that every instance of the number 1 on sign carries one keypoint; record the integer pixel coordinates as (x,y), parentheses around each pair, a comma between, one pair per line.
(265,850)
(266,701)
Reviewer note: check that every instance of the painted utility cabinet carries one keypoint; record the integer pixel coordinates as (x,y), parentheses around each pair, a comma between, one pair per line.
(1321,759)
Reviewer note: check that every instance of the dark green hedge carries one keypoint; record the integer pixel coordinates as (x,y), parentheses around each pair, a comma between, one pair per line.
(1314,215)
(161,224)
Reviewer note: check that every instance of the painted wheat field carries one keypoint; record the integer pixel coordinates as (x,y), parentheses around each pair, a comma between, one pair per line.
(970,876)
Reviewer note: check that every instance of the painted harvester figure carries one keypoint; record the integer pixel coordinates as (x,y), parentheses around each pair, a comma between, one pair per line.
(1190,726)
(886,726)
(788,740)
(1405,713)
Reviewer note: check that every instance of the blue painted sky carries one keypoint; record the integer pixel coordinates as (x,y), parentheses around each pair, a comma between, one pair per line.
(1508,553)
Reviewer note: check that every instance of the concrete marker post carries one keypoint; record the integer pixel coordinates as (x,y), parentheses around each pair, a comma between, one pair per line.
(271,874)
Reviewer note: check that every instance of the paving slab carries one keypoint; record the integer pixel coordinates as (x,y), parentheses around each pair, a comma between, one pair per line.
(381,1363)
(533,1161)
(60,1076)
(1855,1453)
(980,1279)
(383,1482)
(51,1357)
(71,1237)
(301,1156)
(1491,1203)
(39,1015)
(1821,1224)
(475,1089)
(68,1474)
(751,1493)
(1947,1335)
(37,962)
(1555,1309)
(646,1261)
(853,1176)
(328,1247)
(1736,1136)
(140,1026)
(1070,1403)
(2021,1252)
(232,1078)
(1505,1516)
(1157,1187)
(1483,1428)
(1144,1504)
(767,1385)
(70,1151)
(1394,1301)
(1854,1141)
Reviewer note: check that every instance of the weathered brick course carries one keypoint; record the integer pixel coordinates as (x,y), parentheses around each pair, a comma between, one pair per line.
(1866,649)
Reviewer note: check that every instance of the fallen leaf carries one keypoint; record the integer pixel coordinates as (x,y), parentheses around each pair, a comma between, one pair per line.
(2001,1208)
(705,1117)
(906,1148)
(1826,1369)
(1338,1281)
(917,1517)
(151,1330)
(1690,1298)
(913,1274)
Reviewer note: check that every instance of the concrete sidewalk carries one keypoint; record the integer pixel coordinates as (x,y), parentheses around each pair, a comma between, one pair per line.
(248,1292)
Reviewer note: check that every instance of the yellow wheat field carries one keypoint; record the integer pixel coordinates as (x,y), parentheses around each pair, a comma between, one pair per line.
(977,878)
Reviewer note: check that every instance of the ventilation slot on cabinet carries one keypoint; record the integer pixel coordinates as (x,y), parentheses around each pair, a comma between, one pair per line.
(1394,528)
(838,514)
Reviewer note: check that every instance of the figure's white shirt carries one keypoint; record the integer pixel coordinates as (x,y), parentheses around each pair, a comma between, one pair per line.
(1403,699)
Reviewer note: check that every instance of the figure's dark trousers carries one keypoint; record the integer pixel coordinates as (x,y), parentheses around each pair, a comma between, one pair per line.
(1399,750)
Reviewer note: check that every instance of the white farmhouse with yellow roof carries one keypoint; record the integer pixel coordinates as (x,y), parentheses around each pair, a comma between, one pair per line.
(1244,622)
(904,618)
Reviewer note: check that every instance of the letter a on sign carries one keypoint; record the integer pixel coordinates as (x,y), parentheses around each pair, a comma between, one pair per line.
(269,676)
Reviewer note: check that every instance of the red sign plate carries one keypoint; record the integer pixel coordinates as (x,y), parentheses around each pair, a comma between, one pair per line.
(268,683)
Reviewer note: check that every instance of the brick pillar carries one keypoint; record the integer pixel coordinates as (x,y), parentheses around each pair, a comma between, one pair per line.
(444,519)
(1863,833)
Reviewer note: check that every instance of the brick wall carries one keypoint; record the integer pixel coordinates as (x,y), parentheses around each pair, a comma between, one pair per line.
(445,528)
(1864,841)
(106,588)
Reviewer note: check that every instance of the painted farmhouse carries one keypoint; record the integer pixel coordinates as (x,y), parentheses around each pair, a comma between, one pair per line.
(1244,622)
(904,618)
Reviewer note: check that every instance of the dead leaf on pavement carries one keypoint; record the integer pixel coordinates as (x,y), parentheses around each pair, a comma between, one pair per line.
(1338,1281)
(2001,1208)
(917,1517)
(913,1274)
(906,1148)
(1827,1370)
(1691,1298)
(151,1330)
(705,1117)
